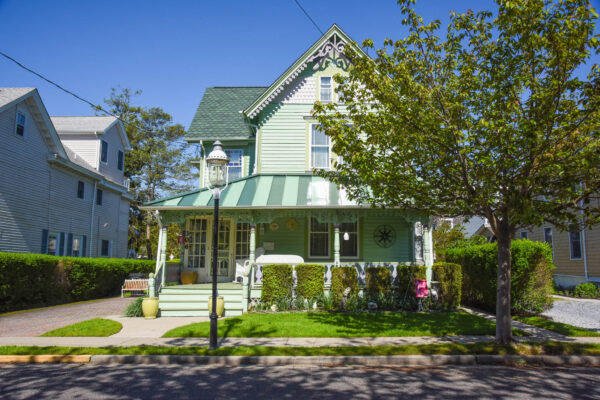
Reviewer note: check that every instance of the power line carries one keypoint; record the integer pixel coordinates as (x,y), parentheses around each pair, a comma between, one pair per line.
(308,16)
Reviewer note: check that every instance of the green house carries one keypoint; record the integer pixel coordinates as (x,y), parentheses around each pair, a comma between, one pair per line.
(274,205)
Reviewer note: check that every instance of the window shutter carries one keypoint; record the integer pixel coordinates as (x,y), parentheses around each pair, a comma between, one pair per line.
(44,241)
(69,245)
(61,244)
(83,251)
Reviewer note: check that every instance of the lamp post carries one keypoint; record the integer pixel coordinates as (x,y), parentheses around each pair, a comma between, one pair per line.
(217,162)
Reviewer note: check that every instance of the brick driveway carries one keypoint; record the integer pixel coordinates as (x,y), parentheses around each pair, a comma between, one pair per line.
(34,323)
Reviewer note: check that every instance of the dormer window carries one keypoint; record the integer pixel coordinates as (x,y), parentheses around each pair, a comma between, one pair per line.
(104,151)
(20,128)
(326,90)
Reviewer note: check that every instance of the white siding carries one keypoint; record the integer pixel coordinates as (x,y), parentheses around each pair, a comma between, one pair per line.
(303,90)
(85,146)
(109,169)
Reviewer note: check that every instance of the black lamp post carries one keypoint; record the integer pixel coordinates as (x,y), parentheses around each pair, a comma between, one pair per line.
(217,162)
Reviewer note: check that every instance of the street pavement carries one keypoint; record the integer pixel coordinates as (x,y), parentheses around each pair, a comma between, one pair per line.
(68,381)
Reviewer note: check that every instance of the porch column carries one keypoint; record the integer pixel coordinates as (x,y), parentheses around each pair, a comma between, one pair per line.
(246,285)
(428,251)
(163,254)
(336,245)
(252,243)
(418,241)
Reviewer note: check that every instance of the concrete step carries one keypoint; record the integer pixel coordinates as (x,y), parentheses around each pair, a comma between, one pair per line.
(197,297)
(197,313)
(221,292)
(185,305)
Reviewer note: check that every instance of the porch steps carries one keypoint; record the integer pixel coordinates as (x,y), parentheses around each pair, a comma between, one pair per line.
(192,300)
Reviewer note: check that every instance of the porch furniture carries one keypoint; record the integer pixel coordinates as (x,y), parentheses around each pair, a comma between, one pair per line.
(134,285)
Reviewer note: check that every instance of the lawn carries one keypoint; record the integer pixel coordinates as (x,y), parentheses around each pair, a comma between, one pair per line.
(558,327)
(93,327)
(323,324)
(548,348)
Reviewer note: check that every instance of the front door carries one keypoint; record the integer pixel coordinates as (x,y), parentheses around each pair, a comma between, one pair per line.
(224,251)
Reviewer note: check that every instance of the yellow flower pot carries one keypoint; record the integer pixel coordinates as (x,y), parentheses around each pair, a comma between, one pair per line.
(189,277)
(220,306)
(150,307)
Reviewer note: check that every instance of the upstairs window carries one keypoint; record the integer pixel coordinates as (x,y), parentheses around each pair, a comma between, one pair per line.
(104,151)
(326,90)
(20,128)
(319,148)
(80,189)
(120,160)
(548,236)
(235,164)
(575,244)
(99,197)
(524,235)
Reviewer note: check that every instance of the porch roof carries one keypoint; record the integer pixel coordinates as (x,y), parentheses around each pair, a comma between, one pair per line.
(263,191)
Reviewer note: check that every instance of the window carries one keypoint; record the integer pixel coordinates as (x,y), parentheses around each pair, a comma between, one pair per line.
(80,189)
(235,164)
(120,160)
(242,240)
(575,242)
(196,238)
(77,246)
(349,248)
(105,248)
(326,92)
(104,151)
(319,148)
(20,128)
(99,197)
(524,235)
(53,243)
(318,239)
(548,236)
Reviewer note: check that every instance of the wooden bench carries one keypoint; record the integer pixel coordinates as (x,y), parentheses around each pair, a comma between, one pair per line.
(134,285)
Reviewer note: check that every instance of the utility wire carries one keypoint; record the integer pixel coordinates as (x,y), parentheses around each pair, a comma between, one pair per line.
(308,16)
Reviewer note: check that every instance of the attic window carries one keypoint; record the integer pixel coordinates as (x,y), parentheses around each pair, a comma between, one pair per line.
(326,95)
(20,129)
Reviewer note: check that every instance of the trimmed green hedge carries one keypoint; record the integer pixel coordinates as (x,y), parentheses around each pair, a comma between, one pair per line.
(406,275)
(277,281)
(342,278)
(378,281)
(450,277)
(36,280)
(311,281)
(531,277)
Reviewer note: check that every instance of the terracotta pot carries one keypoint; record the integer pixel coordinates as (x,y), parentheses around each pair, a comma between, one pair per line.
(188,277)
(150,307)
(220,306)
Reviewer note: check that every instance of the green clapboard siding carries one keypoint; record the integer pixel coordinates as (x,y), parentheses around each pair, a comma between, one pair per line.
(399,251)
(286,241)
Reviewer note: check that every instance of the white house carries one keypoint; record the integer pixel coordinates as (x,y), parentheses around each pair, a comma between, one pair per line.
(62,188)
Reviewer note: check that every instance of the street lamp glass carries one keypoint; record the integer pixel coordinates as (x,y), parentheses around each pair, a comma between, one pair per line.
(217,162)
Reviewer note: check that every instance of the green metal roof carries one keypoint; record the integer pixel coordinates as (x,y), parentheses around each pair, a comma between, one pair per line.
(264,191)
(219,114)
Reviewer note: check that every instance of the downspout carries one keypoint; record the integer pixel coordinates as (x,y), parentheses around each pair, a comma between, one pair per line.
(203,156)
(92,218)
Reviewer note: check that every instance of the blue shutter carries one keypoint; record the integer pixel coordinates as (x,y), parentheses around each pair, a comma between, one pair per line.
(83,246)
(44,241)
(61,244)
(70,245)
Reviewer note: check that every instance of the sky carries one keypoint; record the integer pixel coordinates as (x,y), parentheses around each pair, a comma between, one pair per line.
(173,50)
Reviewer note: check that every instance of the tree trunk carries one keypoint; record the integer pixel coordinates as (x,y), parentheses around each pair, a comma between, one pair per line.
(503,301)
(149,240)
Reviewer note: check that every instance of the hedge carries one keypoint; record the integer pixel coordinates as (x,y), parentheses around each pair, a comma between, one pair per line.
(450,277)
(37,280)
(406,275)
(341,279)
(311,281)
(277,282)
(378,281)
(531,277)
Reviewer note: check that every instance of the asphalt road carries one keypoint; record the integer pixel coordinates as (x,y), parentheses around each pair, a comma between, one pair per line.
(54,381)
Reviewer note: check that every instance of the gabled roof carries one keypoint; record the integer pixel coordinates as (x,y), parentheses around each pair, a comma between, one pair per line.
(8,96)
(89,125)
(333,41)
(219,114)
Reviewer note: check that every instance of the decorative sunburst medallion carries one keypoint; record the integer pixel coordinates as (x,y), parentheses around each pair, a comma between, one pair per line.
(384,236)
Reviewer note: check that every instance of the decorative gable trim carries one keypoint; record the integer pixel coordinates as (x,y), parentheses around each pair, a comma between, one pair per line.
(330,46)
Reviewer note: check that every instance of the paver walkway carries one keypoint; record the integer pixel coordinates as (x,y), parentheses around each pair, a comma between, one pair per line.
(42,320)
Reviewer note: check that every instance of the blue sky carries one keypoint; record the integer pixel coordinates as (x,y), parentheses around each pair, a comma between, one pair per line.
(173,50)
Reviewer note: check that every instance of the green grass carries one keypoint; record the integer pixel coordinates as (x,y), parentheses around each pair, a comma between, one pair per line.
(549,348)
(558,327)
(92,327)
(322,324)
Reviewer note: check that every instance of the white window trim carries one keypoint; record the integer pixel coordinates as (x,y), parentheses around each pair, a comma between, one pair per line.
(310,167)
(310,256)
(241,166)
(332,91)
(107,149)
(17,124)
(80,238)
(571,246)
(357,257)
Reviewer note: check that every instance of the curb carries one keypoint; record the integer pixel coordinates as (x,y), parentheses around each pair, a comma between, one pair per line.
(82,359)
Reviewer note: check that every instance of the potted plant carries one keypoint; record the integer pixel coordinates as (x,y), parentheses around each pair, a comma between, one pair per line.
(150,307)
(188,277)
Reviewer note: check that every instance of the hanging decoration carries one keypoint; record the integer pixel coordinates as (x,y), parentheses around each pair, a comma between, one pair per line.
(292,224)
(384,236)
(274,226)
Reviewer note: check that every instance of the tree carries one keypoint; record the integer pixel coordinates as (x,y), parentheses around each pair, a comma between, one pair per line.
(157,164)
(497,120)
(446,237)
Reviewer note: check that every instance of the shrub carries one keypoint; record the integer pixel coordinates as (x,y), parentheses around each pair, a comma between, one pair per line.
(277,282)
(406,275)
(450,277)
(531,278)
(587,290)
(134,309)
(311,281)
(35,280)
(378,281)
(342,278)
